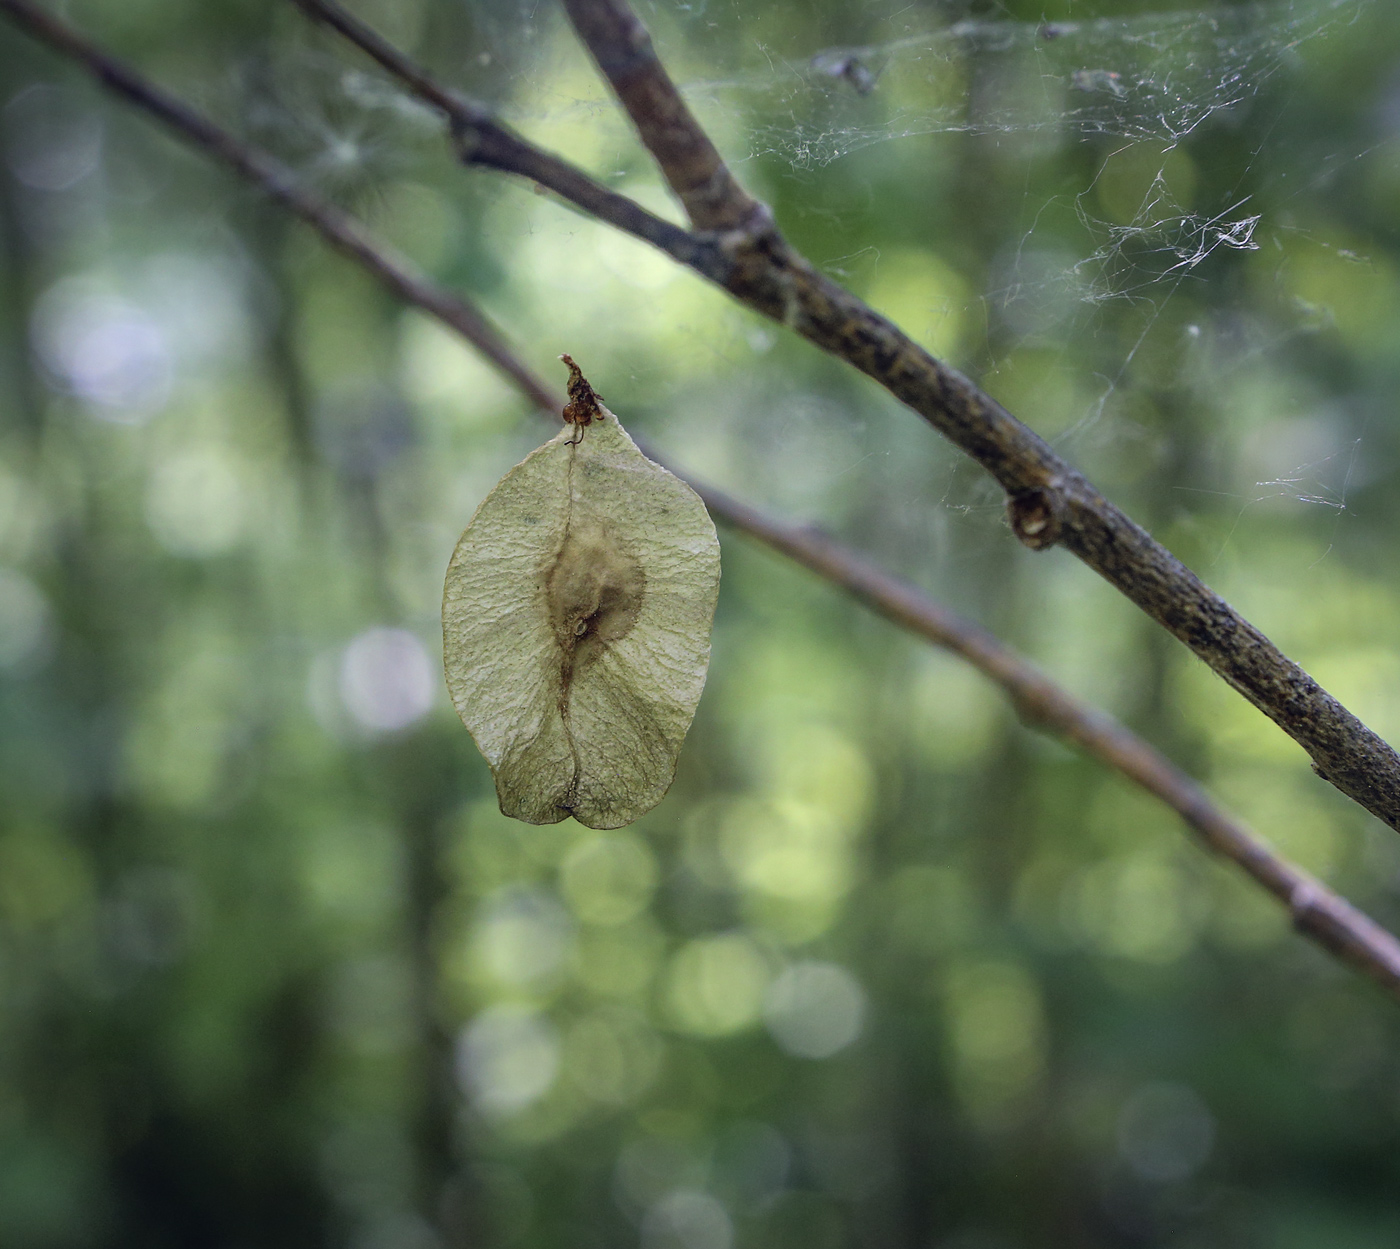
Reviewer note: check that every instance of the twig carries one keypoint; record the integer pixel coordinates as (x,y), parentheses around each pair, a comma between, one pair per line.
(713,199)
(338,228)
(1317,911)
(481,140)
(1049,502)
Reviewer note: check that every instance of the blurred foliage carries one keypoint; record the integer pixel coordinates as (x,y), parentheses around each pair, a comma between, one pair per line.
(884,968)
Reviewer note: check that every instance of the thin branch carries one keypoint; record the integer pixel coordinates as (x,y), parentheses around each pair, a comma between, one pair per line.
(338,228)
(1049,501)
(482,140)
(621,46)
(1317,911)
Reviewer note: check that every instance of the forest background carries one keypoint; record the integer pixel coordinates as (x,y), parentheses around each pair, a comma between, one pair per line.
(887,967)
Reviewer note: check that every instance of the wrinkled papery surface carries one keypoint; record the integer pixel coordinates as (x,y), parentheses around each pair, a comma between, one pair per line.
(576,627)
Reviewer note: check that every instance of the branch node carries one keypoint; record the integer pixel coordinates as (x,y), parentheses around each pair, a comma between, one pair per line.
(466,139)
(714,200)
(470,127)
(1037,516)
(759,268)
(755,235)
(1303,902)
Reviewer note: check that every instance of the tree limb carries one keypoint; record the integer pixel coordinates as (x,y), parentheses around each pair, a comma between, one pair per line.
(621,46)
(736,245)
(341,230)
(1317,911)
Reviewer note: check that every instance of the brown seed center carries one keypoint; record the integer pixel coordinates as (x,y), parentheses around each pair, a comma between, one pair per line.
(595,593)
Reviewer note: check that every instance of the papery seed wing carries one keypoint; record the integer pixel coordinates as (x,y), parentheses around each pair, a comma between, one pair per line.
(499,651)
(576,626)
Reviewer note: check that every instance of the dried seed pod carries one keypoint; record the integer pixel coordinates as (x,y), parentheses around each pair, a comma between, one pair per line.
(576,623)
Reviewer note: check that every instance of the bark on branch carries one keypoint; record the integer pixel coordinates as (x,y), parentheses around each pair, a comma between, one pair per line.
(620,44)
(736,245)
(1317,911)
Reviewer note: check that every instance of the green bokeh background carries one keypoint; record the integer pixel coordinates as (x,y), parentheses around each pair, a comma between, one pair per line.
(885,968)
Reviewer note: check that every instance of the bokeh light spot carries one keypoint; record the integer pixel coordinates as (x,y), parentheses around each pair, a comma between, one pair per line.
(609,879)
(814,1010)
(24,617)
(197,503)
(522,937)
(1165,1132)
(104,349)
(687,1220)
(507,1059)
(387,681)
(612,1056)
(52,142)
(997,1034)
(716,985)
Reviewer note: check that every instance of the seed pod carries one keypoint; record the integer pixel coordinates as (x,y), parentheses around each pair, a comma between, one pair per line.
(576,623)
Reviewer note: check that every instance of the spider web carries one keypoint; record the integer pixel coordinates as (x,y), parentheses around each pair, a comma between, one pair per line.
(1155,76)
(1151,82)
